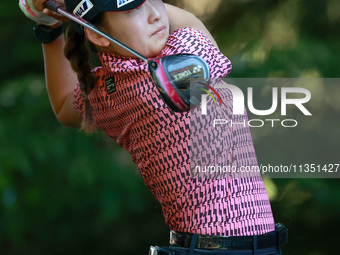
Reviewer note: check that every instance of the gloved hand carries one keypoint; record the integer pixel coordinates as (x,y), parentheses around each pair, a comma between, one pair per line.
(29,10)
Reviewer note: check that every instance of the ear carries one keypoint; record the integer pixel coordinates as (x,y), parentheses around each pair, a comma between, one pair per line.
(95,38)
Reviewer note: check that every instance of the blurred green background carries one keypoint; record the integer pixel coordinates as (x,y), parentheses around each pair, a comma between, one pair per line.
(62,192)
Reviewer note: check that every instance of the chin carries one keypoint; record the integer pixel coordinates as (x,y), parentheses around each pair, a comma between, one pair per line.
(155,54)
(157,49)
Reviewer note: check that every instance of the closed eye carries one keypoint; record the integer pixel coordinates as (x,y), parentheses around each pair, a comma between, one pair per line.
(135,9)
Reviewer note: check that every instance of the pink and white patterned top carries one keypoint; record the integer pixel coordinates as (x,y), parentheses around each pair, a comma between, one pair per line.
(128,107)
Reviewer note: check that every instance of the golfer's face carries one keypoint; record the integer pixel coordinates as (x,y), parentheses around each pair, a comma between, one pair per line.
(144,29)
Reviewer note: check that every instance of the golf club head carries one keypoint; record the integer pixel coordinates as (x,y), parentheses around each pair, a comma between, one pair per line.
(180,79)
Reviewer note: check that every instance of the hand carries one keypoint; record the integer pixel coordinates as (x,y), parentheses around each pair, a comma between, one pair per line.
(40,6)
(35,10)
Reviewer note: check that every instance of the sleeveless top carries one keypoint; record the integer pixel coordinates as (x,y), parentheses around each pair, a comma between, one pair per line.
(128,107)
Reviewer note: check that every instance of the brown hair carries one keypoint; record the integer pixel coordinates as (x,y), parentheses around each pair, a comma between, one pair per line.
(77,52)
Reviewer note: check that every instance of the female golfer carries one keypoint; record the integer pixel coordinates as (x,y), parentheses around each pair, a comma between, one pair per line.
(205,215)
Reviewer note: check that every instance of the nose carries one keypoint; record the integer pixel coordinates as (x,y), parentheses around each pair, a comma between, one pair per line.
(154,13)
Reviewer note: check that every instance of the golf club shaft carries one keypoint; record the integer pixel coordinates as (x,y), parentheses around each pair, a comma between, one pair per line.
(53,6)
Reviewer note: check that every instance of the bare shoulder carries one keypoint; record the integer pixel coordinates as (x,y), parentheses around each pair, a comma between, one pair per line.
(180,18)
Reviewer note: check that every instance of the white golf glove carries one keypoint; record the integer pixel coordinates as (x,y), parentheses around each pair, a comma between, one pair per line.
(29,10)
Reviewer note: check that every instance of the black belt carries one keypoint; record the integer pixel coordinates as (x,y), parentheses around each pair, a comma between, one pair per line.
(276,238)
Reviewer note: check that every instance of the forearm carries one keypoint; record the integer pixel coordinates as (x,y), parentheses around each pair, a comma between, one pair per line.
(60,78)
(60,82)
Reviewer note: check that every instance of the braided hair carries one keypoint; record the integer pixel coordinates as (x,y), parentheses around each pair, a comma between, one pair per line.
(77,52)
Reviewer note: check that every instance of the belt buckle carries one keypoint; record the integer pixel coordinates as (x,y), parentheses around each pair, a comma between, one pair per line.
(207,242)
(223,243)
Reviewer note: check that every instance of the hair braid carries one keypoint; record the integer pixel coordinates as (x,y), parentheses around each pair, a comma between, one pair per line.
(78,55)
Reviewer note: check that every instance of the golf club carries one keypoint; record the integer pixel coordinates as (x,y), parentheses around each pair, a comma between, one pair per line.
(180,78)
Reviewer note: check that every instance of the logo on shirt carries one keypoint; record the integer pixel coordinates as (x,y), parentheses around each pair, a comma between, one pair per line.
(82,8)
(110,85)
(121,3)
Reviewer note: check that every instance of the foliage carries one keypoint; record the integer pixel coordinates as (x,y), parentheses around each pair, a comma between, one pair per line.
(63,192)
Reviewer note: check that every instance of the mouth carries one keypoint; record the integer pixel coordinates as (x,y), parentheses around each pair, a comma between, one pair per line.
(160,30)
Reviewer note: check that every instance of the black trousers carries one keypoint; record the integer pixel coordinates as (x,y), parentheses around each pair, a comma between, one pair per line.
(280,235)
(186,251)
(175,250)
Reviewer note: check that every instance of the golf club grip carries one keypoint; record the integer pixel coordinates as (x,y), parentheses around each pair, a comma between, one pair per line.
(51,5)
